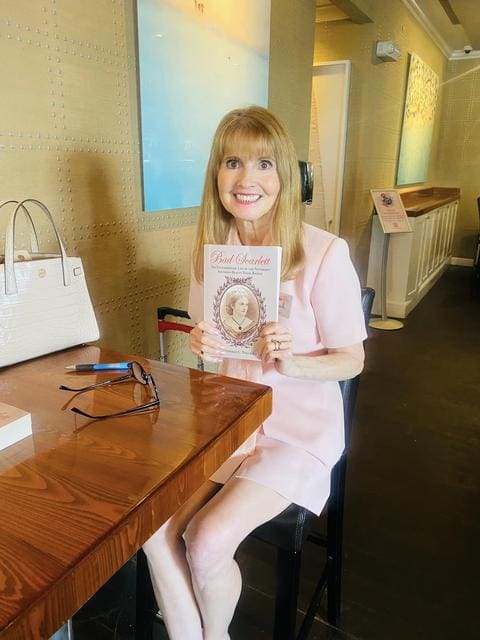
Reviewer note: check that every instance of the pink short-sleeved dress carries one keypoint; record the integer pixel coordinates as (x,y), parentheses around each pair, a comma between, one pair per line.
(294,451)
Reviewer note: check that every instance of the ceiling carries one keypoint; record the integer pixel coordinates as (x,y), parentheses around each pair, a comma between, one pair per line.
(452,24)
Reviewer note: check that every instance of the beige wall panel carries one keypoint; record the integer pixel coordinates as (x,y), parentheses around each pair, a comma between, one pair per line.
(27,101)
(458,151)
(29,170)
(101,113)
(168,250)
(109,266)
(100,35)
(360,243)
(291,55)
(26,16)
(97,186)
(173,293)
(116,327)
(358,209)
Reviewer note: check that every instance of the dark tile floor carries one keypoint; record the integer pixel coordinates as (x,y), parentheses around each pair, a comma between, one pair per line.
(412,528)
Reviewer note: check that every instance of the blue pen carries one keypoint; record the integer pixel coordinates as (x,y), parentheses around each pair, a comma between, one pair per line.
(101,366)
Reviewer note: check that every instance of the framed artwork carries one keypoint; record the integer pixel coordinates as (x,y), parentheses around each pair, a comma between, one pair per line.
(197,60)
(418,118)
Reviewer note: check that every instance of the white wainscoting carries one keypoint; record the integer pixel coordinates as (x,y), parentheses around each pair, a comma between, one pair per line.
(416,260)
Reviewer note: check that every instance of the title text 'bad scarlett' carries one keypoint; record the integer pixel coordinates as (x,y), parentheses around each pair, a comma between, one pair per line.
(218,257)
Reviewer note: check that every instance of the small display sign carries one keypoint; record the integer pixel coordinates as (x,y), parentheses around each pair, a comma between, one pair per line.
(391,212)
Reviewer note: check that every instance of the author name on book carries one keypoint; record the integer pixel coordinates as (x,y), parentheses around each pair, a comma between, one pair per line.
(219,257)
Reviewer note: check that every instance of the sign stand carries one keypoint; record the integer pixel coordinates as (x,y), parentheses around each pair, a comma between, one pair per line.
(394,219)
(388,324)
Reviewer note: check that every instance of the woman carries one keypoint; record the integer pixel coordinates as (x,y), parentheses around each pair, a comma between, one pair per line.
(236,321)
(252,197)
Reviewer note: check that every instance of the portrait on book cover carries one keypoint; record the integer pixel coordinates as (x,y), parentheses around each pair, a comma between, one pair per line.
(239,310)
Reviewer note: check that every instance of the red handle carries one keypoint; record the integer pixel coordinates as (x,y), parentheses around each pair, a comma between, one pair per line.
(165,325)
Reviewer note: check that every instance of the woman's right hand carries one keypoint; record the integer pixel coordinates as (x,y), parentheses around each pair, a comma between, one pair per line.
(204,342)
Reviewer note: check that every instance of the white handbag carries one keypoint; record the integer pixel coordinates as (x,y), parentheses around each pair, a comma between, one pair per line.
(44,301)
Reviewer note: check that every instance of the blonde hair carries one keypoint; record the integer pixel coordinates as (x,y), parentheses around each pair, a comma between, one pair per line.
(254,128)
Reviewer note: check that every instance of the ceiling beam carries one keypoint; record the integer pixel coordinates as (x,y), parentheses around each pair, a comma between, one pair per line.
(353,11)
(329,13)
(468,13)
(447,7)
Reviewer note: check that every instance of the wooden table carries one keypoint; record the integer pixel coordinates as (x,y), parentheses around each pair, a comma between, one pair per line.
(79,497)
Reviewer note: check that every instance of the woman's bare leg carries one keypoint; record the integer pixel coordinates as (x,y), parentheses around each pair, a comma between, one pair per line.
(170,573)
(213,536)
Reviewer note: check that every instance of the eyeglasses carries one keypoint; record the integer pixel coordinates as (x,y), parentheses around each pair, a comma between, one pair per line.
(137,374)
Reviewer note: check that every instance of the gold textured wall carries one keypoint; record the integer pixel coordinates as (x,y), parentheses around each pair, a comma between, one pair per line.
(458,157)
(377,95)
(291,58)
(69,137)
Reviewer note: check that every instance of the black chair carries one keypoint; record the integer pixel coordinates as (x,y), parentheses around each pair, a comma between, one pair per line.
(287,532)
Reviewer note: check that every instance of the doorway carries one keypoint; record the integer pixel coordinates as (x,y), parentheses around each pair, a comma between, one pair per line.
(328,134)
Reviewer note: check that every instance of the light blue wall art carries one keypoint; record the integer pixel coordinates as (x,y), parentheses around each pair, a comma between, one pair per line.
(418,118)
(197,61)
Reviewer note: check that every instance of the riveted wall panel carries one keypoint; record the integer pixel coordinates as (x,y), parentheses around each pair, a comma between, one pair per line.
(95,25)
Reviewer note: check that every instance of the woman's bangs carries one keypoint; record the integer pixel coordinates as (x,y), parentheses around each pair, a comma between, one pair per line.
(245,140)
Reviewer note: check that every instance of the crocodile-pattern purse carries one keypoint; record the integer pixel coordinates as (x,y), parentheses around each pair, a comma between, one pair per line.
(44,301)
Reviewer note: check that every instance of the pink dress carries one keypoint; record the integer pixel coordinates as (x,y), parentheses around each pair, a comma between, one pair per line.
(295,449)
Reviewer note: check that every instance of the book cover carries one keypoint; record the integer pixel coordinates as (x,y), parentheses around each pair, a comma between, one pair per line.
(15,424)
(241,291)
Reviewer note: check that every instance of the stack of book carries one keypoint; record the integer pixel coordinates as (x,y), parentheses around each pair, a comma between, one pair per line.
(15,425)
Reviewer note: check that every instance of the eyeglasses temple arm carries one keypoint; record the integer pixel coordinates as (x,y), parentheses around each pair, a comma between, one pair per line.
(155,403)
(97,384)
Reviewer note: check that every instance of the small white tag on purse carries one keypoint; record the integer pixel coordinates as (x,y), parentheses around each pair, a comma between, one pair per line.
(22,255)
(77,271)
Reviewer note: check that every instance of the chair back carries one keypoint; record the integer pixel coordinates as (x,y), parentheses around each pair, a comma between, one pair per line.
(349,388)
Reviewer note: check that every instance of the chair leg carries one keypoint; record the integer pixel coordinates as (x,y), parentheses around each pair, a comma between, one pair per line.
(288,578)
(146,605)
(334,561)
(334,588)
(313,606)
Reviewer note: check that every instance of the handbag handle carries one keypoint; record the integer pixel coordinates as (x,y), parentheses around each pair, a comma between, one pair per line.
(33,231)
(10,281)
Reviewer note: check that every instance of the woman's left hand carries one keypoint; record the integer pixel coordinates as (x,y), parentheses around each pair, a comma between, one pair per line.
(274,343)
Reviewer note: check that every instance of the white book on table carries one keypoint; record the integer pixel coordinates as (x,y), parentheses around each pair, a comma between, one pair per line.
(15,425)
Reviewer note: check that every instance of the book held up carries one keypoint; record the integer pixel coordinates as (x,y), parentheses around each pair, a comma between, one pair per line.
(15,425)
(241,291)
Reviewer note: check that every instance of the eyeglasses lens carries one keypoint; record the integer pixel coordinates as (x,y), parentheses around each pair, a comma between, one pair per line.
(139,373)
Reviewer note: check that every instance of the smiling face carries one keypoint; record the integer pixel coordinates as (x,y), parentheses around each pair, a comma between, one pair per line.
(248,182)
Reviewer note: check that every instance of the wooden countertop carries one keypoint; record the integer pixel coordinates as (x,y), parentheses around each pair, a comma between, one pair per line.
(421,201)
(79,497)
